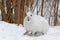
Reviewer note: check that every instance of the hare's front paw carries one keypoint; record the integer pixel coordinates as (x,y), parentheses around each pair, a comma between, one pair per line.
(38,33)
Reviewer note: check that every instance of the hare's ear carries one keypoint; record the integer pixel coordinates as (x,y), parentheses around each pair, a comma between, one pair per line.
(28,12)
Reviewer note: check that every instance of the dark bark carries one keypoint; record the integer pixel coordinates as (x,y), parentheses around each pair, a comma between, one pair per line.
(55,12)
(4,16)
(42,7)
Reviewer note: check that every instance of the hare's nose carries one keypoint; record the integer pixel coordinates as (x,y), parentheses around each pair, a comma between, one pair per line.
(28,18)
(31,15)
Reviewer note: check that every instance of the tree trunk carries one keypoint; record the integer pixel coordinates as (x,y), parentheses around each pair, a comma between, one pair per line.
(9,14)
(42,7)
(4,16)
(15,7)
(22,14)
(0,4)
(55,12)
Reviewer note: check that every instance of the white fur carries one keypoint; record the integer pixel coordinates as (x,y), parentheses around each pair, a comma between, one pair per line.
(36,23)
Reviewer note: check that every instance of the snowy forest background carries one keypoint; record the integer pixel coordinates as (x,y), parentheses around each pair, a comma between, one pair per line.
(13,11)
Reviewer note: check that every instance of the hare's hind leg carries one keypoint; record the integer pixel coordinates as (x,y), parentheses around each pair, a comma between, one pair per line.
(26,33)
(29,33)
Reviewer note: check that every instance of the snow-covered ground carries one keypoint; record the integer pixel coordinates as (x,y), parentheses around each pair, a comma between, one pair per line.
(14,32)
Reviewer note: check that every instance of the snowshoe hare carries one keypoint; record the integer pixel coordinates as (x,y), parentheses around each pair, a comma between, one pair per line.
(35,25)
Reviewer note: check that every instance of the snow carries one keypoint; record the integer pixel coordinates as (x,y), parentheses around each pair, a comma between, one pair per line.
(10,31)
(13,32)
(52,34)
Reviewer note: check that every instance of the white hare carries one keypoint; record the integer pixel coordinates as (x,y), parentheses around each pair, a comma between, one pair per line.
(35,24)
